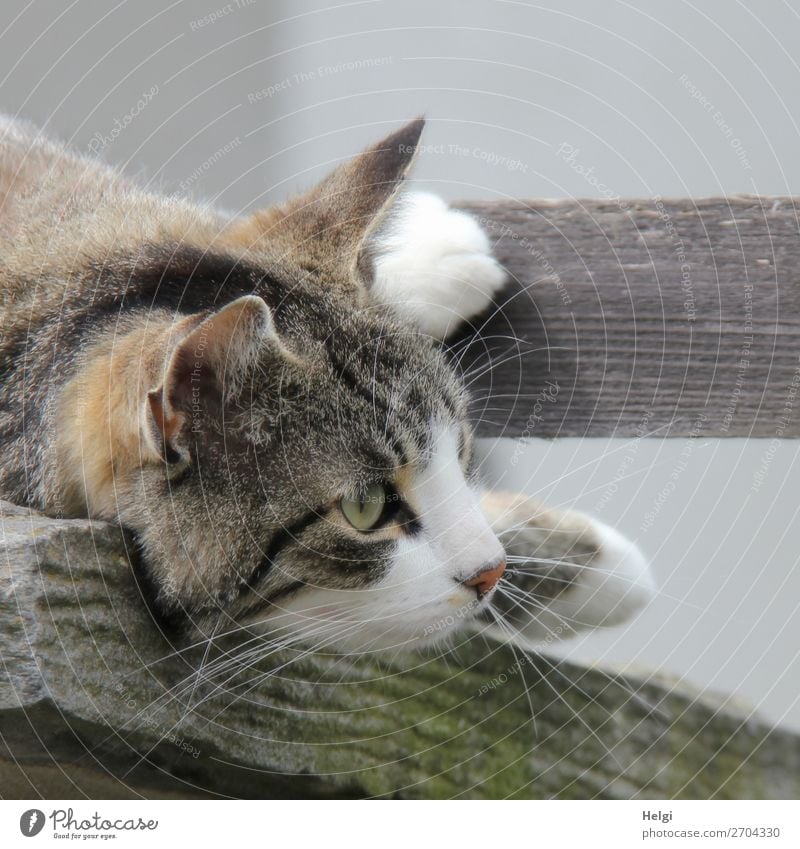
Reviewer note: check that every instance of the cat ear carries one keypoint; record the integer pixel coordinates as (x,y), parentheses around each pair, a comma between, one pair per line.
(331,223)
(204,369)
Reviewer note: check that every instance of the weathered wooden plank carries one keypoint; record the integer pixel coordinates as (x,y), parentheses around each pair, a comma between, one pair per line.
(93,700)
(673,317)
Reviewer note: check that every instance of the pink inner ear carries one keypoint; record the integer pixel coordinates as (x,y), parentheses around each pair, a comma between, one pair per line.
(167,423)
(229,339)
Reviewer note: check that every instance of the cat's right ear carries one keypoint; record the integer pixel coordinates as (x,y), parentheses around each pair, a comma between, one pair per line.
(204,370)
(330,225)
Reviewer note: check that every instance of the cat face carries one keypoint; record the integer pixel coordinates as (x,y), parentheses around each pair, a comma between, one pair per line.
(316,455)
(324,489)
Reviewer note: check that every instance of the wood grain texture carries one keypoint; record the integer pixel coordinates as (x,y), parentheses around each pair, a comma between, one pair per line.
(674,317)
(95,701)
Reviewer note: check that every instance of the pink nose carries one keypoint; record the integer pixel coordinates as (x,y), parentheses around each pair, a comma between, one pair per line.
(484,582)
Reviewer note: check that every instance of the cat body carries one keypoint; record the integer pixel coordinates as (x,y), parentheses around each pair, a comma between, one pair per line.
(262,402)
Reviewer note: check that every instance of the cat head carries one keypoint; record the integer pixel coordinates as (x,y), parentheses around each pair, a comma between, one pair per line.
(309,457)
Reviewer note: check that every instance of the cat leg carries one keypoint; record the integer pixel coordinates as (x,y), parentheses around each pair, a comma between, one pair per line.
(433,265)
(566,571)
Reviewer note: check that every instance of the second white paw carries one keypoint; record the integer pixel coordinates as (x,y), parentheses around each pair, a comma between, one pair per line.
(434,266)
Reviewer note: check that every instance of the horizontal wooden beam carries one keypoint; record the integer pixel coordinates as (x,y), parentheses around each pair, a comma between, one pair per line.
(625,318)
(95,701)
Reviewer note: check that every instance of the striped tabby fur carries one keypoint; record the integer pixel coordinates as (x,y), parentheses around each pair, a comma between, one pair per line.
(218,386)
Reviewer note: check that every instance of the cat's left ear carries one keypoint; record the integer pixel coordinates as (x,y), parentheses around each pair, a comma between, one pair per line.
(205,368)
(331,224)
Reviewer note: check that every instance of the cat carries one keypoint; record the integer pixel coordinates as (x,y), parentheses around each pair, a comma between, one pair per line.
(264,404)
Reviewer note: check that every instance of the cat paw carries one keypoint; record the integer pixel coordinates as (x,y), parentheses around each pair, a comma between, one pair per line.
(614,587)
(567,571)
(434,266)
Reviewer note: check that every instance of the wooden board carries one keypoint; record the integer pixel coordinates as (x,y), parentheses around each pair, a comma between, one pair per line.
(94,701)
(673,318)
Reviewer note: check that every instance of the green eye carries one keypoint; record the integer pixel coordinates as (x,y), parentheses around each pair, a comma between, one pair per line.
(365,511)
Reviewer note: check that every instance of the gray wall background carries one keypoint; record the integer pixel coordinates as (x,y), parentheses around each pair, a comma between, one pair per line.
(242,103)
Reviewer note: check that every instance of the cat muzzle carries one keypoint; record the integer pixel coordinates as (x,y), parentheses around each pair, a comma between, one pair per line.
(486,580)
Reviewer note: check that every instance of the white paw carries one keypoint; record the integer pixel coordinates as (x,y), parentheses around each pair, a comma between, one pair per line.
(612,589)
(434,265)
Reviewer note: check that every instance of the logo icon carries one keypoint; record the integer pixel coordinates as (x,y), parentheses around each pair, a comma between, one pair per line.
(31,822)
